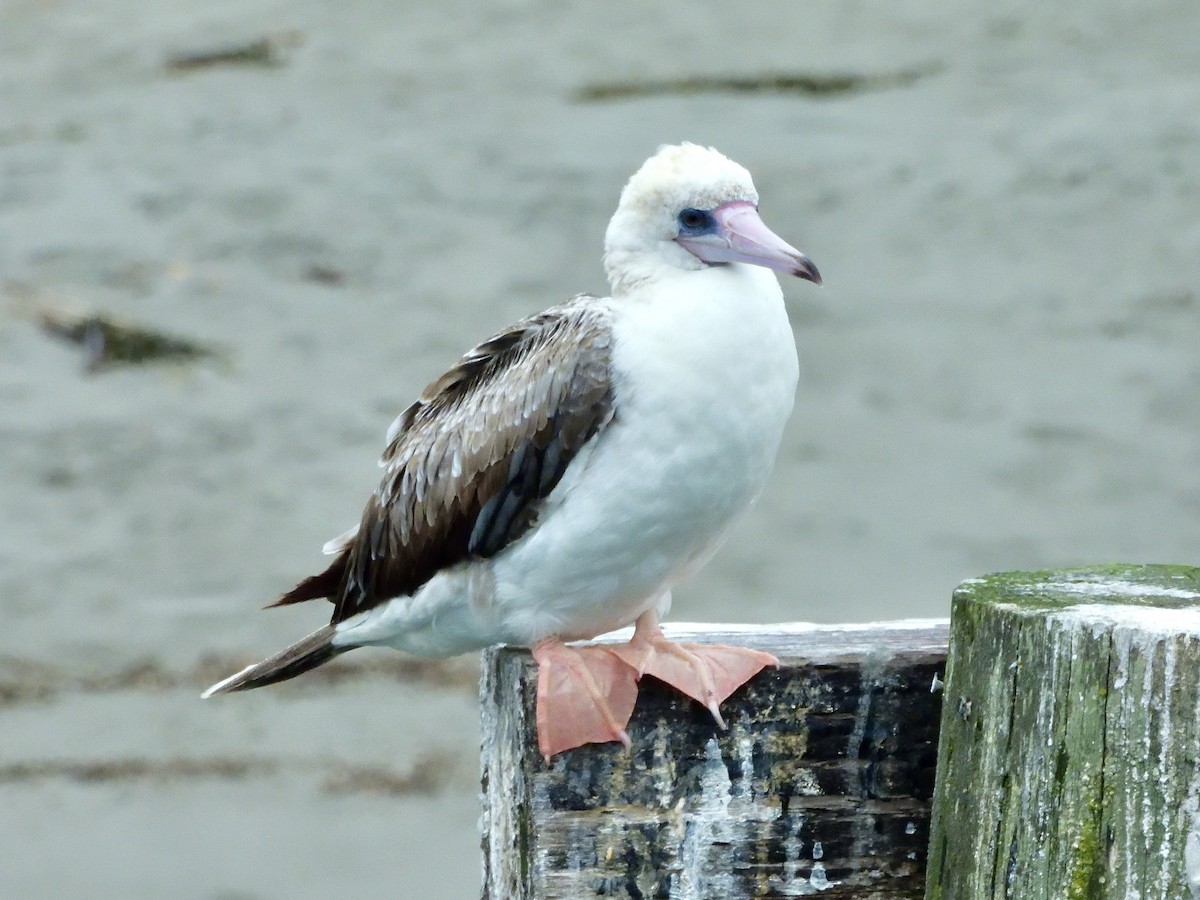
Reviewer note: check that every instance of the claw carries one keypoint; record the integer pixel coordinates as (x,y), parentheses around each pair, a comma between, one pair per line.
(708,673)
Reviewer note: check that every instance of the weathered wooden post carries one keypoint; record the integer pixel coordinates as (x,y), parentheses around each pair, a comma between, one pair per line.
(1069,760)
(819,787)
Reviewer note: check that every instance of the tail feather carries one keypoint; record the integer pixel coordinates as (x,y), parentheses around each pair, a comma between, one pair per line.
(326,584)
(301,656)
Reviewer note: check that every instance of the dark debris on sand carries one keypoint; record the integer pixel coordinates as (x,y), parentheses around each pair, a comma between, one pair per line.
(27,682)
(427,775)
(108,343)
(265,52)
(805,84)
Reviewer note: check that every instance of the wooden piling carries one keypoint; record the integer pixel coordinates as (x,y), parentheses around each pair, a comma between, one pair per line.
(820,786)
(1069,761)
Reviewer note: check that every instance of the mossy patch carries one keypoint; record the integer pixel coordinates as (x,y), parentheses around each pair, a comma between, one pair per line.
(1165,586)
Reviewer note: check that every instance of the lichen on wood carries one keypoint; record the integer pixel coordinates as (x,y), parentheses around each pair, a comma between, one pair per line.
(1069,755)
(820,786)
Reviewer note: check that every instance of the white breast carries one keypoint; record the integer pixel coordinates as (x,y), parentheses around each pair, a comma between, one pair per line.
(705,380)
(705,374)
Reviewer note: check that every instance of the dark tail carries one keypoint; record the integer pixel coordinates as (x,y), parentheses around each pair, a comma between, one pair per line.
(301,656)
(327,584)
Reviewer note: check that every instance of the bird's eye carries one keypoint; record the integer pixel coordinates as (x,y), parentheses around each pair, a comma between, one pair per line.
(695,219)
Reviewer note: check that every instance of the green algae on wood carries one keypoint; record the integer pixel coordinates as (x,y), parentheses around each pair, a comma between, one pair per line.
(820,787)
(1069,754)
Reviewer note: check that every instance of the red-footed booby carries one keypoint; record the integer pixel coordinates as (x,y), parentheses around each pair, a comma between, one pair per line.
(566,473)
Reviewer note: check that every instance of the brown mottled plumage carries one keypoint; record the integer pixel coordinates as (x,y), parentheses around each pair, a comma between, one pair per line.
(463,473)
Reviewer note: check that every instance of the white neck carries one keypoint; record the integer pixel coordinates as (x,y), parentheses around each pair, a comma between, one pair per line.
(632,262)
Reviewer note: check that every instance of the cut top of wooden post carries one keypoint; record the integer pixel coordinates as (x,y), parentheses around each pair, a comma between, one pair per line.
(1069,752)
(820,786)
(1150,597)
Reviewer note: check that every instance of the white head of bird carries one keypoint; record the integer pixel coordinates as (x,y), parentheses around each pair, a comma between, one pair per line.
(687,209)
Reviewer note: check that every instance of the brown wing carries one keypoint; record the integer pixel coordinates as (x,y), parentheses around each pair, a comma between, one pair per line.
(467,465)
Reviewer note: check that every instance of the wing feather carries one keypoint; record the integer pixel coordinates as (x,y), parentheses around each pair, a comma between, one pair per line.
(467,466)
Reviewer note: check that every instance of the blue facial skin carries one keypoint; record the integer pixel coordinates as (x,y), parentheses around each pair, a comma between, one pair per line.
(696,222)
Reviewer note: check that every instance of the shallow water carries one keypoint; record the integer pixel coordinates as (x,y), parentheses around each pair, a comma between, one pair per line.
(1001,372)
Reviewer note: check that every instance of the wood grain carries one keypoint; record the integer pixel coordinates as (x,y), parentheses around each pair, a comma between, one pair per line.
(1069,763)
(821,785)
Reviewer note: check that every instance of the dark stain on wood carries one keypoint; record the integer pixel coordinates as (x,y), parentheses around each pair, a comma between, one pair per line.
(820,786)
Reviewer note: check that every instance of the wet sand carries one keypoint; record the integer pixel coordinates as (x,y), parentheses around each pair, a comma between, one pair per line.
(1001,372)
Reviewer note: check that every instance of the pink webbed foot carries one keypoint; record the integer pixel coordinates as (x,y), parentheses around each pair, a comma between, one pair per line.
(708,673)
(585,695)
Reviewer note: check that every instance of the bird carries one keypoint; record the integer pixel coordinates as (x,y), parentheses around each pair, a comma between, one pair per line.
(564,475)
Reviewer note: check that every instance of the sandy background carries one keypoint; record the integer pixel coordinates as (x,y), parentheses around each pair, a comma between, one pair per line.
(1002,372)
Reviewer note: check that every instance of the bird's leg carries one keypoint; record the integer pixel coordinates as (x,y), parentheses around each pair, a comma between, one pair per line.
(708,673)
(585,695)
